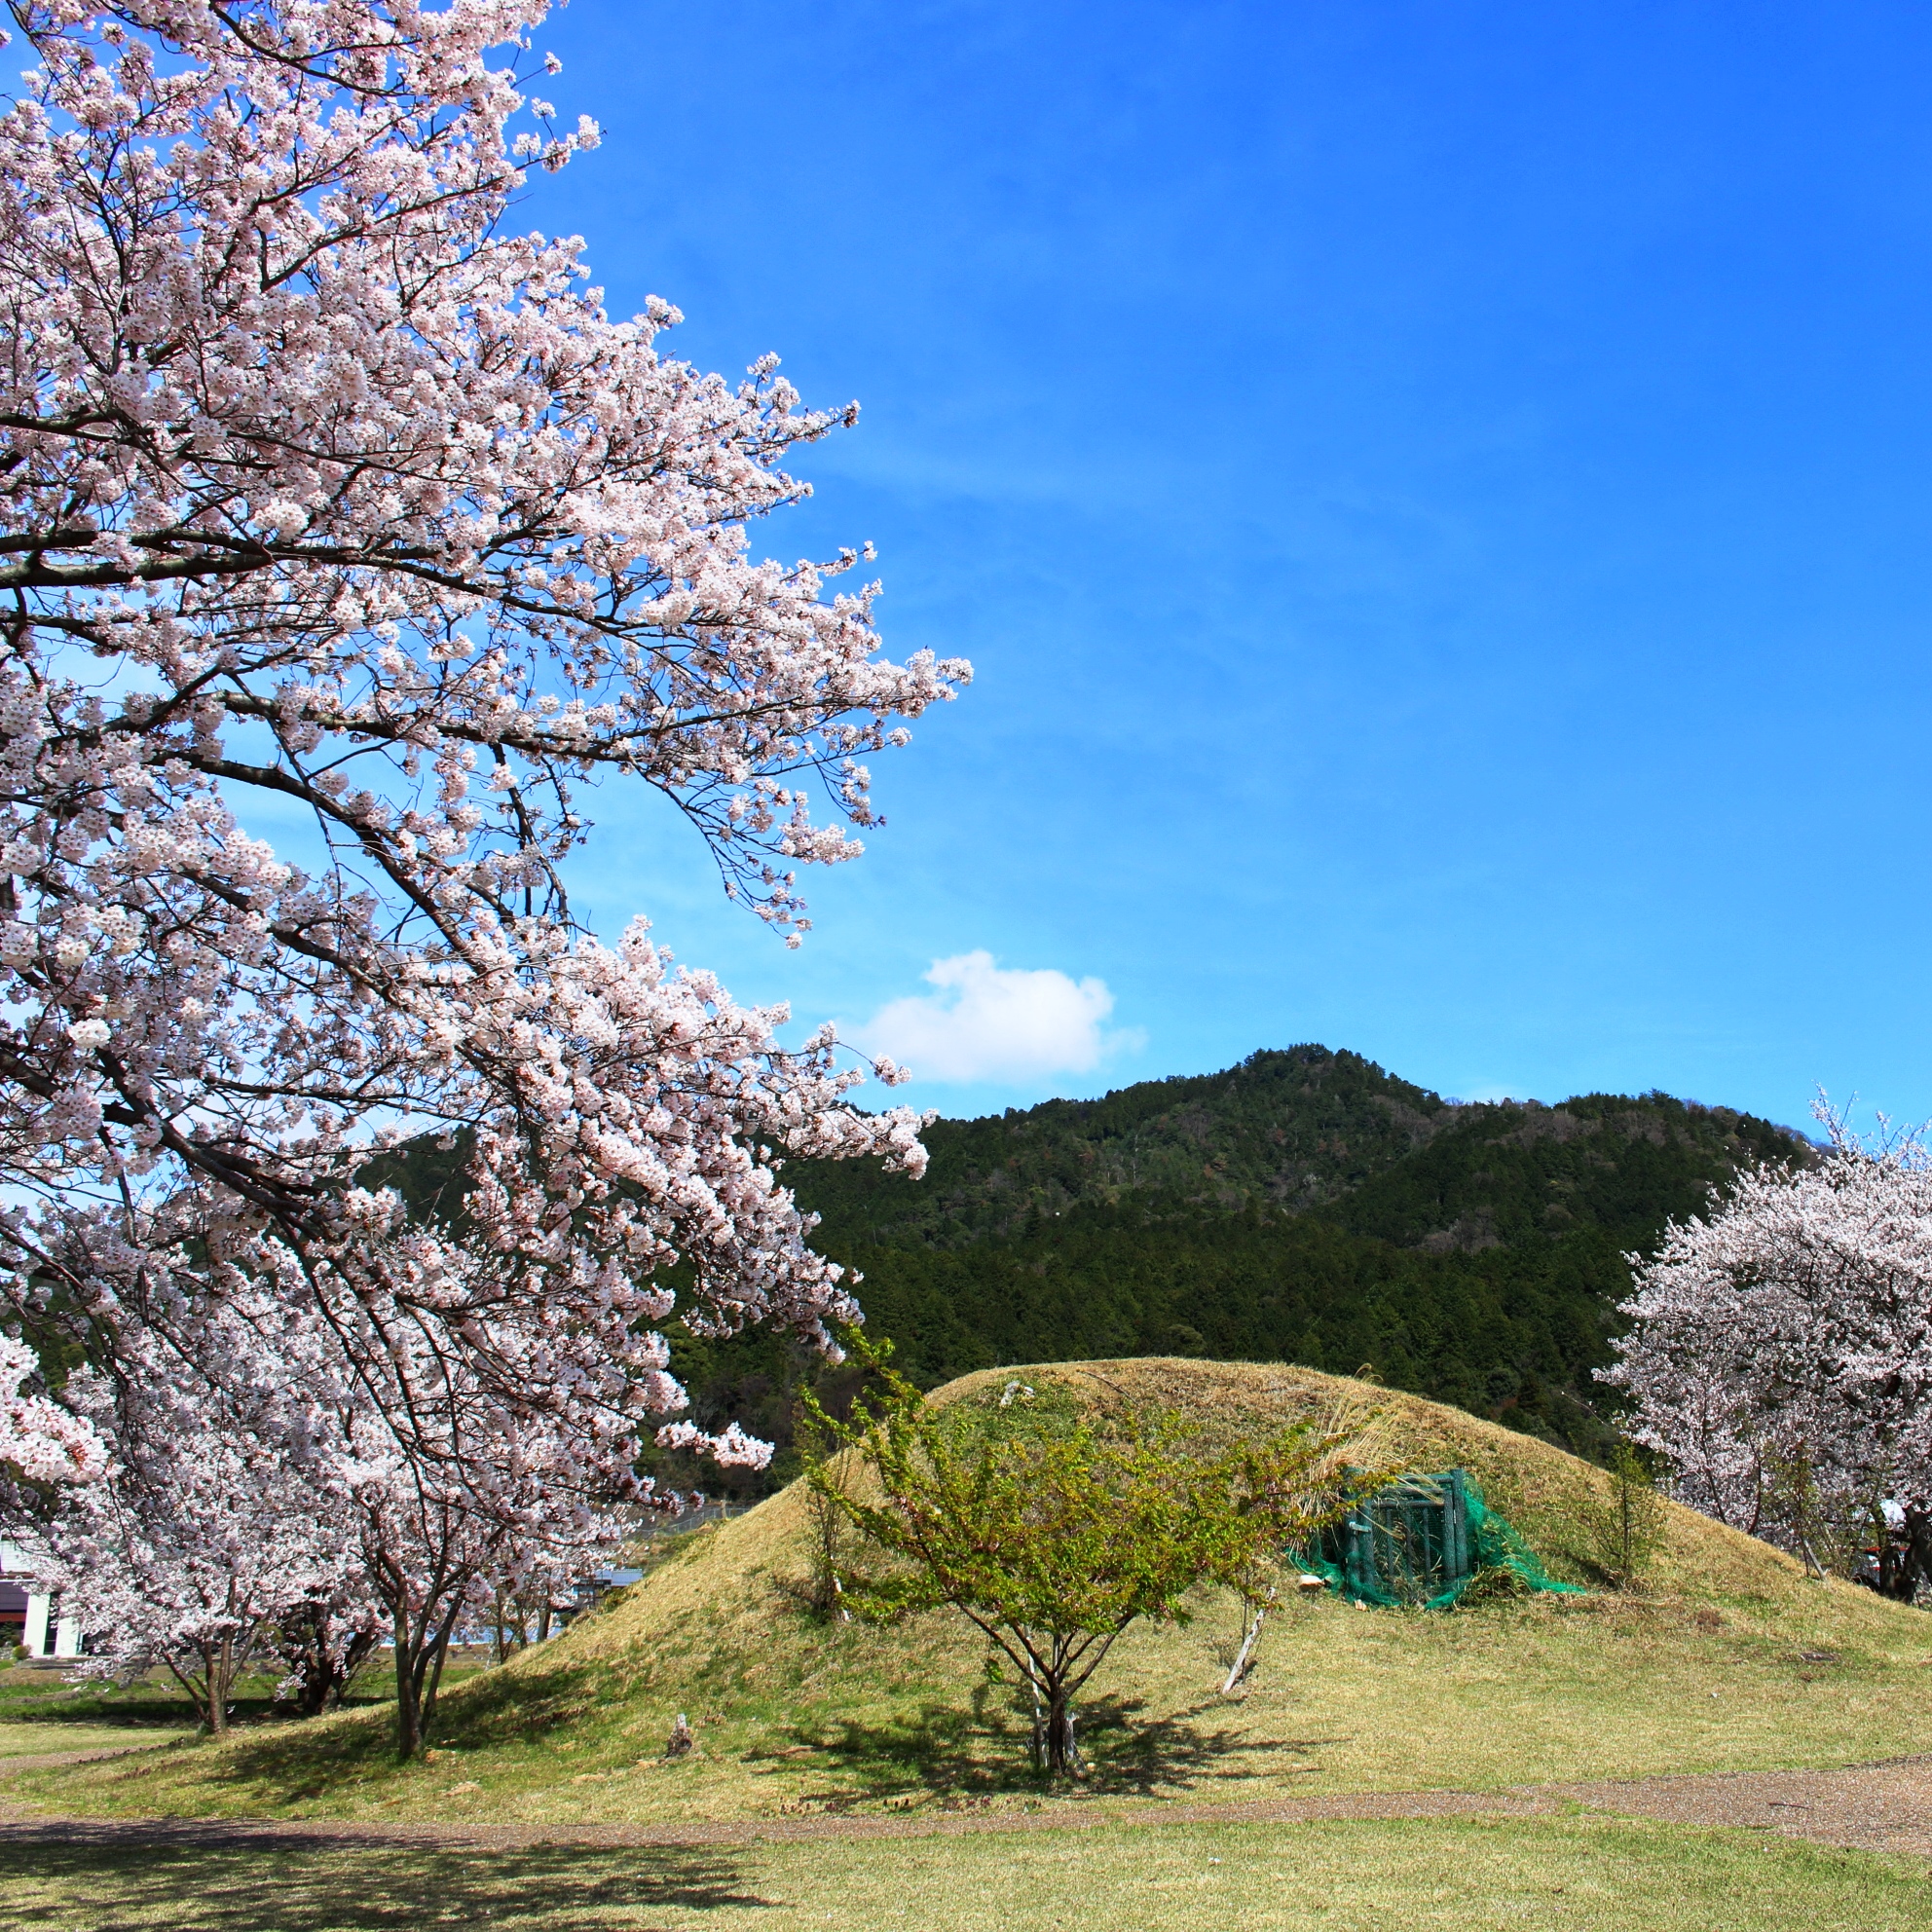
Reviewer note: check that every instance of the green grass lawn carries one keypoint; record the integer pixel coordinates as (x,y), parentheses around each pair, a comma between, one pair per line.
(44,1711)
(1525,1874)
(810,1719)
(1732,1659)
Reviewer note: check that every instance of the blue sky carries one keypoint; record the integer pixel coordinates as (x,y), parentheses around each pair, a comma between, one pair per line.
(1437,500)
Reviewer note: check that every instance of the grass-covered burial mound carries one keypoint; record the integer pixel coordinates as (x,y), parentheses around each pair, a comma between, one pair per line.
(1727,1657)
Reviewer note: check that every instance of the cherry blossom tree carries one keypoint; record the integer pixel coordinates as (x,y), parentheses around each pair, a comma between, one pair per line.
(211,1522)
(296,1450)
(329,500)
(41,1443)
(322,1644)
(1780,1347)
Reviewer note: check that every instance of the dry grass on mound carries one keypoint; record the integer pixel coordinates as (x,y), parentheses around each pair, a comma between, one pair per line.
(1732,1659)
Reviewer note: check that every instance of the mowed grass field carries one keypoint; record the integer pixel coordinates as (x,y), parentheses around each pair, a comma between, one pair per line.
(1730,1660)
(46,1711)
(1594,1874)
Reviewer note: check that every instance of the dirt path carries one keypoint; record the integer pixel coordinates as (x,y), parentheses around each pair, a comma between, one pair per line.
(35,1760)
(1873,1807)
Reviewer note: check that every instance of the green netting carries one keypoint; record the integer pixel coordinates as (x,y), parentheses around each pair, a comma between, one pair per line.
(1423,1539)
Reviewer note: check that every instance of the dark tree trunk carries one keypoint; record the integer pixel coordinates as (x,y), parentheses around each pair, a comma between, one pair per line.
(209,1691)
(321,1677)
(420,1648)
(408,1691)
(202,1692)
(1055,1667)
(1062,1754)
(1916,1556)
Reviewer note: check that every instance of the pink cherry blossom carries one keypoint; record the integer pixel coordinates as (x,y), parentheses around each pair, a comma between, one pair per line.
(321,487)
(1780,1347)
(40,1440)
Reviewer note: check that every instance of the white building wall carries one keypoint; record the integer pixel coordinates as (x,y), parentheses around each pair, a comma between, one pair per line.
(45,1635)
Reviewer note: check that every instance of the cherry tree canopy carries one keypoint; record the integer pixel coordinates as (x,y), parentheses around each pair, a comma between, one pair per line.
(1780,1352)
(278,1459)
(40,1440)
(323,492)
(215,1516)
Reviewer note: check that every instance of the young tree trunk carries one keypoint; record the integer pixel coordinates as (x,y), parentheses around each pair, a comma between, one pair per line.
(209,1691)
(408,1691)
(210,1705)
(1055,1669)
(420,1650)
(1245,1656)
(421,1647)
(1061,1752)
(222,1682)
(214,1706)
(438,1654)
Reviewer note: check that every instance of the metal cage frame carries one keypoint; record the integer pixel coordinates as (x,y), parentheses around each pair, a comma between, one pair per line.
(1408,1542)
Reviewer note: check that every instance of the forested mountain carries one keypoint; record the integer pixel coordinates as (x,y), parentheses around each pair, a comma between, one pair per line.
(1304,1206)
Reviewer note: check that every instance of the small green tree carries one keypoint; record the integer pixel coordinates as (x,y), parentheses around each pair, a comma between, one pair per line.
(1053,1529)
(1830,1530)
(827,1532)
(1625,1530)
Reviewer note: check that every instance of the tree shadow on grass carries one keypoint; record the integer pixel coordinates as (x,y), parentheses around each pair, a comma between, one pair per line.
(104,1709)
(109,1879)
(957,1753)
(155,1704)
(1127,1753)
(141,1717)
(300,1762)
(936,1751)
(304,1763)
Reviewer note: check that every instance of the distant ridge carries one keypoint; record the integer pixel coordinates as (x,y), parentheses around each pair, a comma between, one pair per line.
(1300,1129)
(1304,1206)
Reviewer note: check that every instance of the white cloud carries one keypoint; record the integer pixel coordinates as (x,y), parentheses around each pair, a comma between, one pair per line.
(987,1022)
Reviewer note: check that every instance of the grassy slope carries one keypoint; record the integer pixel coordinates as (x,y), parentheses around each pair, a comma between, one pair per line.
(1705,1672)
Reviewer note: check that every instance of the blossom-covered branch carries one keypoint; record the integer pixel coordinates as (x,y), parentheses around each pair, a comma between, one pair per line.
(325,493)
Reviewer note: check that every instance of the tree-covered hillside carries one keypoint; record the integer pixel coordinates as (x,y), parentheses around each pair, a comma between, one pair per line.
(1304,1206)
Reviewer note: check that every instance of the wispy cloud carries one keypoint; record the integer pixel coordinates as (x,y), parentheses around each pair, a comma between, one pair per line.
(988,1021)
